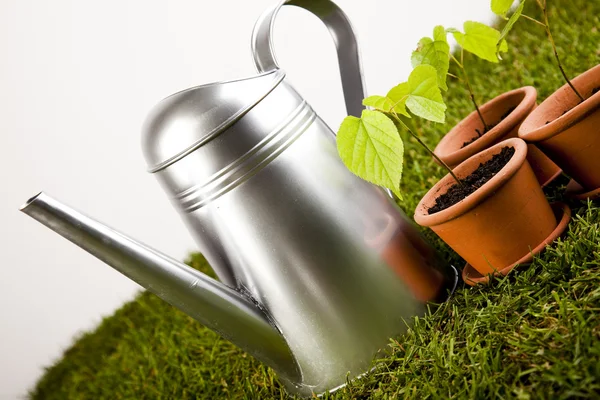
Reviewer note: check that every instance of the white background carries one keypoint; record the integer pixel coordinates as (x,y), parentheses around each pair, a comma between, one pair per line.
(77,78)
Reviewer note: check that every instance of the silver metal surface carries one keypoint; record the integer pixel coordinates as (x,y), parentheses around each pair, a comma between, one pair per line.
(342,33)
(318,268)
(196,294)
(188,119)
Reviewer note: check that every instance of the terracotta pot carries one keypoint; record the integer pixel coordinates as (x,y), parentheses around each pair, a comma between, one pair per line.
(523,100)
(501,221)
(578,192)
(572,139)
(562,212)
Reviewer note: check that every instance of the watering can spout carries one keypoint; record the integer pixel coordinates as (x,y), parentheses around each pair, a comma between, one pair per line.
(233,315)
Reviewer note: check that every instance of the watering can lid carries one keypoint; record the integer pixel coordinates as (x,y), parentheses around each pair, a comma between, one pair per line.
(186,120)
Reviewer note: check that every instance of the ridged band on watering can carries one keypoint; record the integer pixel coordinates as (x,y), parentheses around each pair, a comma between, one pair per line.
(318,268)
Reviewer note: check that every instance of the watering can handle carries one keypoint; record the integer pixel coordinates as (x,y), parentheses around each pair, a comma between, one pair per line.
(345,41)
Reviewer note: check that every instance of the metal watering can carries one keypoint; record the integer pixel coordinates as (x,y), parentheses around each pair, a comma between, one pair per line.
(318,268)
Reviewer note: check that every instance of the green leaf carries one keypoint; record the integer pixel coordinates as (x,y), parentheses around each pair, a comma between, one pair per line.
(379,102)
(480,40)
(511,21)
(398,95)
(436,53)
(397,101)
(439,34)
(371,148)
(425,99)
(503,46)
(420,94)
(501,7)
(407,121)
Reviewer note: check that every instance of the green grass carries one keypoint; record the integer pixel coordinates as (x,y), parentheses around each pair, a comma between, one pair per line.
(534,334)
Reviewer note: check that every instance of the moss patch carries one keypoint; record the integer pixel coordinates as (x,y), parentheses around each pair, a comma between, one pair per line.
(534,334)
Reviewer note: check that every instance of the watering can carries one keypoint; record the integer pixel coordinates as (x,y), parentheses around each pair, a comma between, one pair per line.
(317,268)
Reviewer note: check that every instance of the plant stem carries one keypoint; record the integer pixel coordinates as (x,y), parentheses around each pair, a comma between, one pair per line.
(485,126)
(470,89)
(426,147)
(533,20)
(396,103)
(549,33)
(540,3)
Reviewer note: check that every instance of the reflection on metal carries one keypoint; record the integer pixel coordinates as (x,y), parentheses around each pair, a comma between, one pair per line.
(317,268)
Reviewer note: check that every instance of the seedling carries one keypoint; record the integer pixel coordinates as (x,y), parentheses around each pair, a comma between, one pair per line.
(477,38)
(371,146)
(501,7)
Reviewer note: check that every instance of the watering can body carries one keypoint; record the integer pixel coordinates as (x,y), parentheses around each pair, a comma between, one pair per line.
(318,268)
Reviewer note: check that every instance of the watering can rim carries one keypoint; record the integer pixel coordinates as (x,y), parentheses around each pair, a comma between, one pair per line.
(159,158)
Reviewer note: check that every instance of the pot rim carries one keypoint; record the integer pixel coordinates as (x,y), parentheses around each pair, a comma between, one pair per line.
(534,130)
(464,169)
(519,114)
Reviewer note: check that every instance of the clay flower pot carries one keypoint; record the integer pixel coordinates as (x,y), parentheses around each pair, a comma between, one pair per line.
(575,191)
(502,221)
(569,131)
(522,101)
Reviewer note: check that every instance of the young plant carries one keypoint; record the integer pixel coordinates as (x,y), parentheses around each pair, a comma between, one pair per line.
(501,8)
(371,146)
(477,38)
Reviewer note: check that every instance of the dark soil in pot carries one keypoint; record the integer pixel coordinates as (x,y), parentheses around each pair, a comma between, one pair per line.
(502,220)
(471,183)
(503,115)
(488,128)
